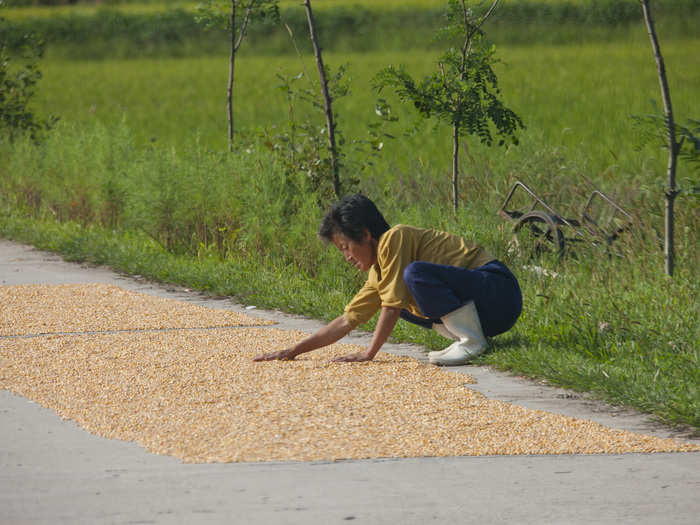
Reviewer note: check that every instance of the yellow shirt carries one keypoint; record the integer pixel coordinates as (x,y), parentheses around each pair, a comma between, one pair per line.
(399,247)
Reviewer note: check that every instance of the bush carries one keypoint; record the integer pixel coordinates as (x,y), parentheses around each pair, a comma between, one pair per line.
(17,87)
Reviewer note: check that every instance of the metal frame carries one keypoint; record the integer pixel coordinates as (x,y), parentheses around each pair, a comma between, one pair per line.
(539,209)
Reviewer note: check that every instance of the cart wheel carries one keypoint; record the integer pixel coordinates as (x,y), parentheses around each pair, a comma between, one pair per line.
(537,233)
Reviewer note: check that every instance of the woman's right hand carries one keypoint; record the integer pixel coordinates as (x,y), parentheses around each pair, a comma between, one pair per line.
(332,332)
(287,354)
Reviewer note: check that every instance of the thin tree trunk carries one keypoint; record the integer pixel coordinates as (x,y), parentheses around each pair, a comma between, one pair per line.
(231,65)
(466,50)
(326,99)
(671,191)
(455,168)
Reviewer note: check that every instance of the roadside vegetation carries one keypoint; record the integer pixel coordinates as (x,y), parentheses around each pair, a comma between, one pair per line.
(136,174)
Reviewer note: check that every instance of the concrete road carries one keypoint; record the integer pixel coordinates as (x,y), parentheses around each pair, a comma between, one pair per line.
(52,471)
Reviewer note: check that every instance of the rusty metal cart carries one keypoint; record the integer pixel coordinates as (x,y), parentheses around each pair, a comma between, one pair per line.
(539,228)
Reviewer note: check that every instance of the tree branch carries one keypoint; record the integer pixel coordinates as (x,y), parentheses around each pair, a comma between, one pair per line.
(467,42)
(244,26)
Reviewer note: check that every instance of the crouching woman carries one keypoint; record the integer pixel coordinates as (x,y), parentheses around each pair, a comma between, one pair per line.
(431,278)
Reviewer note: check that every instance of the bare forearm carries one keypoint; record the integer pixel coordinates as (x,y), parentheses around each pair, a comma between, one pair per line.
(337,329)
(329,334)
(385,325)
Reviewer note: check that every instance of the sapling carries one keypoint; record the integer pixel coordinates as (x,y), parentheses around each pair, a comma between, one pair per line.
(674,146)
(463,92)
(228,14)
(302,147)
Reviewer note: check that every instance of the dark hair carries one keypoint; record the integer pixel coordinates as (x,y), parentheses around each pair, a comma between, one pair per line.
(350,216)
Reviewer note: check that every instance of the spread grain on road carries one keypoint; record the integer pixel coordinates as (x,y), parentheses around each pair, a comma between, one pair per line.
(179,379)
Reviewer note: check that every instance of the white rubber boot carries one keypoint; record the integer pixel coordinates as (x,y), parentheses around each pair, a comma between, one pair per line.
(444,332)
(464,323)
(441,329)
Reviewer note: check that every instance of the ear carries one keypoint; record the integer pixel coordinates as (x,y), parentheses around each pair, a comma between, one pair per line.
(366,236)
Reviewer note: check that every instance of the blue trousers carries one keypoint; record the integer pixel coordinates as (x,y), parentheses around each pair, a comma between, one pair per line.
(439,289)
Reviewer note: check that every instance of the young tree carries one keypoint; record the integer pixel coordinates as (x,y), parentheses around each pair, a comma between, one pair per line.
(303,147)
(464,91)
(673,145)
(235,16)
(319,150)
(327,100)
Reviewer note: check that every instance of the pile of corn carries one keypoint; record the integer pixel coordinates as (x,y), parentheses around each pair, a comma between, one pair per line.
(194,392)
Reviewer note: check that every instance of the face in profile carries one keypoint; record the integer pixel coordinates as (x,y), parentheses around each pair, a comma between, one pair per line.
(361,254)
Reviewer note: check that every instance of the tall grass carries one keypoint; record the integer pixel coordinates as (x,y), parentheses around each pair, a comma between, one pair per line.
(241,210)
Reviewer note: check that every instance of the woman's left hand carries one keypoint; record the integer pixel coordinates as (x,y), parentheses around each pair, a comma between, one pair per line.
(385,324)
(353,358)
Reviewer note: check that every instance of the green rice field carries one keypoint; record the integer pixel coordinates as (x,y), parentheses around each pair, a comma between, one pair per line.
(175,102)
